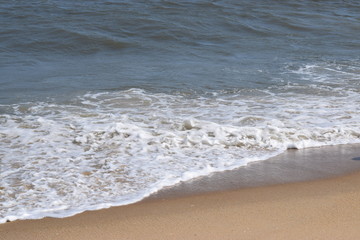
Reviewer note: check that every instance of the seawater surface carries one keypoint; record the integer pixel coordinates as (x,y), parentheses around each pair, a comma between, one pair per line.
(103,103)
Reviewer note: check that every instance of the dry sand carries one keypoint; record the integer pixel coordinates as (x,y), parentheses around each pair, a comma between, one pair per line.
(314,209)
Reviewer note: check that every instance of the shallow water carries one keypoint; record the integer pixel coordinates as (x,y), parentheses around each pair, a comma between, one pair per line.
(105,102)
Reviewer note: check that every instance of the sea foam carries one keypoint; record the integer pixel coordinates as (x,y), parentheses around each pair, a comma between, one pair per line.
(114,148)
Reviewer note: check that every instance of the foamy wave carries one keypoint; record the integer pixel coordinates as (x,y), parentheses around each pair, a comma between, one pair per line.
(115,148)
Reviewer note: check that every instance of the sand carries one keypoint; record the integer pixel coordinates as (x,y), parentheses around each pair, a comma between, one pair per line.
(327,208)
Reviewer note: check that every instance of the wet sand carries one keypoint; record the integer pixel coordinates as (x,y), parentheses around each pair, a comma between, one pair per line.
(302,194)
(291,166)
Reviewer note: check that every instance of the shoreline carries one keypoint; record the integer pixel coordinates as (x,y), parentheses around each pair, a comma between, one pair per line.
(273,199)
(294,165)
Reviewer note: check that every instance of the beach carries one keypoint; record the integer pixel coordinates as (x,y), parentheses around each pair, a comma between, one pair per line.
(106,104)
(307,208)
(179,119)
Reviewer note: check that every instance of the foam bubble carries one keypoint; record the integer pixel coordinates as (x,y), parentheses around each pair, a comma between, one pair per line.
(114,148)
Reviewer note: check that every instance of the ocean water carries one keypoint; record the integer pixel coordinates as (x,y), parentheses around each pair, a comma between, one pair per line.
(103,103)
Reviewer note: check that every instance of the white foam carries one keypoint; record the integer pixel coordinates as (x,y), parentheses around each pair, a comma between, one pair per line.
(116,148)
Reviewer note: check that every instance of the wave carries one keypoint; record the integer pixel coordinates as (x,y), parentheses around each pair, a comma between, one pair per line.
(113,148)
(68,41)
(245,84)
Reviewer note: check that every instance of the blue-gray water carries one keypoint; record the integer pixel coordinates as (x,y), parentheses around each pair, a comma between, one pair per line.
(104,102)
(64,47)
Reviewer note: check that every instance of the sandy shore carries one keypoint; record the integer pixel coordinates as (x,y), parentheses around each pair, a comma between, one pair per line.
(312,209)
